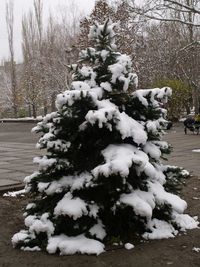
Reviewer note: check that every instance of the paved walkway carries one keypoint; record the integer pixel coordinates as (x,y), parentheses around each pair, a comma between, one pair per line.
(15,162)
(183,145)
(17,149)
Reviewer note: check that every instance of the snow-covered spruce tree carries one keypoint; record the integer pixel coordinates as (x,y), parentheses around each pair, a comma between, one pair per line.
(102,178)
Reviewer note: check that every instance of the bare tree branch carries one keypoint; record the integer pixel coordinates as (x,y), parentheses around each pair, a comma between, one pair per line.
(185,11)
(183,5)
(168,19)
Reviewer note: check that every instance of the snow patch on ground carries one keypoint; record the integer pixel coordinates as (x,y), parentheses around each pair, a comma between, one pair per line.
(129,246)
(71,245)
(36,248)
(15,193)
(196,150)
(196,249)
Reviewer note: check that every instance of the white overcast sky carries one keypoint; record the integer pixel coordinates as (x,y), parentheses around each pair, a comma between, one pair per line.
(23,6)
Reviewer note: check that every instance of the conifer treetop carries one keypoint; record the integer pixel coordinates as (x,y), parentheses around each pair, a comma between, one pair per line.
(103,35)
(102,66)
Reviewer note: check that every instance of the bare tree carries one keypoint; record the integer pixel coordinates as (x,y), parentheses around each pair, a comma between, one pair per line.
(31,94)
(187,61)
(183,57)
(45,57)
(10,26)
(5,90)
(38,9)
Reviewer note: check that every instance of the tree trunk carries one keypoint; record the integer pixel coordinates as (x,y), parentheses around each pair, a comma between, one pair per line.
(196,100)
(53,106)
(34,110)
(12,67)
(45,107)
(29,111)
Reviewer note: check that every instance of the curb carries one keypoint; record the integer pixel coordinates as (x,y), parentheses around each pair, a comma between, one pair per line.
(6,188)
(18,121)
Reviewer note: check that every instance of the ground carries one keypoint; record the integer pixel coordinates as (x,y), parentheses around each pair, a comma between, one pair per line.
(175,252)
(170,252)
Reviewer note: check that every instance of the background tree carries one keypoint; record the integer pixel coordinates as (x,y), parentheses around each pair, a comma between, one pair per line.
(45,53)
(187,61)
(129,26)
(156,52)
(185,16)
(181,97)
(166,48)
(5,91)
(12,67)
(31,75)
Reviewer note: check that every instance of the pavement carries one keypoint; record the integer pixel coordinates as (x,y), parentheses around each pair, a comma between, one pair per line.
(183,144)
(17,149)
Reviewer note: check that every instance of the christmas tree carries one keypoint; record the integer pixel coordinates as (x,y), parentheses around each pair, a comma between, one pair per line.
(102,179)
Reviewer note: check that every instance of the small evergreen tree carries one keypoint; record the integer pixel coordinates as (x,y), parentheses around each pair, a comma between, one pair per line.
(102,178)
